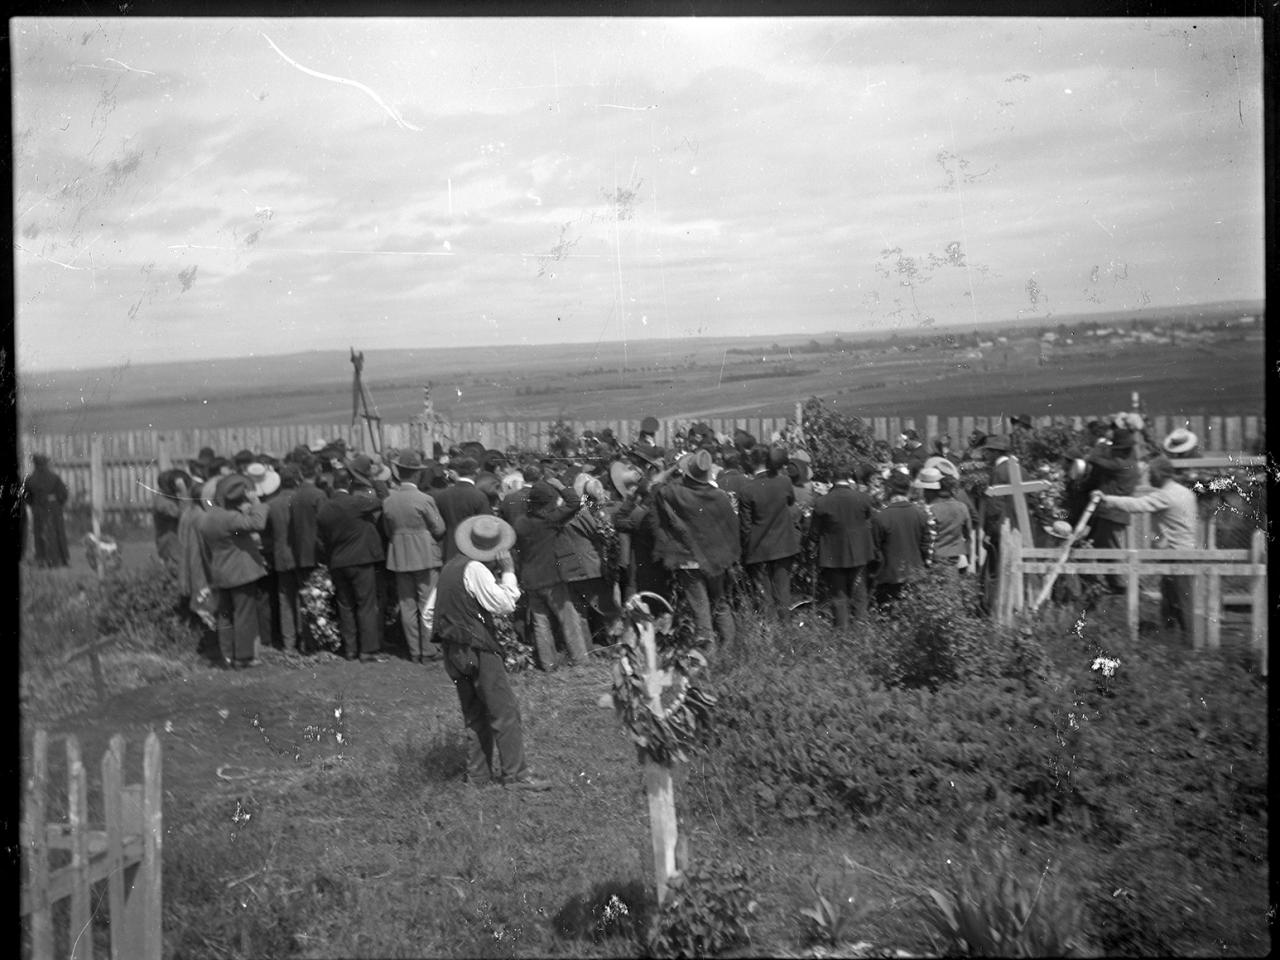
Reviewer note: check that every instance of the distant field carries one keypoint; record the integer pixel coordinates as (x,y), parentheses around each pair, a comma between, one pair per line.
(666,379)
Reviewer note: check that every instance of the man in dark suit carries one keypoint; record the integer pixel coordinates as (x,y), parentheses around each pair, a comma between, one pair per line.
(350,544)
(516,503)
(1114,473)
(841,527)
(903,537)
(691,526)
(537,537)
(770,540)
(731,479)
(460,501)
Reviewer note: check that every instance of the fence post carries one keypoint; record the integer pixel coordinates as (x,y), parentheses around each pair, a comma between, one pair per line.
(38,853)
(1197,610)
(112,761)
(152,842)
(97,484)
(1214,622)
(1258,611)
(1133,590)
(81,933)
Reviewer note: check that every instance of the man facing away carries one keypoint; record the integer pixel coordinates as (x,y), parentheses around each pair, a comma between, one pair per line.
(413,527)
(460,501)
(460,615)
(841,528)
(770,540)
(351,545)
(693,530)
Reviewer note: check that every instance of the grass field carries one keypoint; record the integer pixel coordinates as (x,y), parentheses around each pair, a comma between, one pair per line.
(668,379)
(315,808)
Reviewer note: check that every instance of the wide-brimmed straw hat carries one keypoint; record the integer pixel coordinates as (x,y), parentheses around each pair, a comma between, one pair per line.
(265,480)
(625,477)
(929,478)
(1179,441)
(943,466)
(1060,529)
(484,536)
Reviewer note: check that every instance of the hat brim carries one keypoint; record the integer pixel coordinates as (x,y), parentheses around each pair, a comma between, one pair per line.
(1186,446)
(624,477)
(926,485)
(943,466)
(462,539)
(268,485)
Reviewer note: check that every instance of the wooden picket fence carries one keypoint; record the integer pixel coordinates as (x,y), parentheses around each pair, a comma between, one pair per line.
(128,462)
(125,854)
(1021,566)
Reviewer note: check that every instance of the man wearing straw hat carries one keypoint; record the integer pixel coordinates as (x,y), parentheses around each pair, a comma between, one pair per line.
(460,613)
(1177,526)
(414,527)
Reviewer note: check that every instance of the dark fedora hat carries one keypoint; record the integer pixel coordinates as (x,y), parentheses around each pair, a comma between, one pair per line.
(1122,440)
(998,443)
(697,466)
(407,465)
(649,425)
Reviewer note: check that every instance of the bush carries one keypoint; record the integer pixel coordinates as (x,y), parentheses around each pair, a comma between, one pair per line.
(705,911)
(990,909)
(798,742)
(935,634)
(142,603)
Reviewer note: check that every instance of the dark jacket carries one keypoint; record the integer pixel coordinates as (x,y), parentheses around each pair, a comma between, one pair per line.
(515,504)
(577,554)
(231,554)
(455,504)
(732,481)
(767,527)
(1114,476)
(903,539)
(841,526)
(993,510)
(347,530)
(536,535)
(693,522)
(277,541)
(303,510)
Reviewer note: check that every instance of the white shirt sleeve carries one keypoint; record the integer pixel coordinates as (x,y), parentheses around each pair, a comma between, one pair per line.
(495,596)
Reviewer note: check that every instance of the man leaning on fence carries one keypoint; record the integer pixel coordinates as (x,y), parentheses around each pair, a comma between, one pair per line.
(1176,522)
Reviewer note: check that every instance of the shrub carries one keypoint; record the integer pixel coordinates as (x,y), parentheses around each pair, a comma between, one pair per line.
(935,635)
(143,602)
(705,911)
(989,909)
(817,740)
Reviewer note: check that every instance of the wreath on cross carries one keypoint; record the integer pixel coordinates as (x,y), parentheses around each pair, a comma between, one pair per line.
(664,710)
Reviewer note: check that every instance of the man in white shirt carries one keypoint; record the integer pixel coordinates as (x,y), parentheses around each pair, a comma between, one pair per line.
(460,615)
(1177,527)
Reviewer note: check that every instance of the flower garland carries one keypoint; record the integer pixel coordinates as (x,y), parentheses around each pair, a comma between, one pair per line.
(318,612)
(671,733)
(517,655)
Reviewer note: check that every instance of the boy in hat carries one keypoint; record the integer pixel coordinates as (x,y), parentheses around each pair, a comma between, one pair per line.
(461,615)
(278,545)
(229,545)
(538,536)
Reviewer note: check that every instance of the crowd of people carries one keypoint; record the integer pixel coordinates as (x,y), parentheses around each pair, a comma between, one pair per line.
(330,549)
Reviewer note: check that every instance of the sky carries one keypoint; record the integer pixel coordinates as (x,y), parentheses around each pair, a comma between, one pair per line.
(188,188)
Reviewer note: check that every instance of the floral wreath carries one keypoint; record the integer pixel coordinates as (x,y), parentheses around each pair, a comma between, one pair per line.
(670,735)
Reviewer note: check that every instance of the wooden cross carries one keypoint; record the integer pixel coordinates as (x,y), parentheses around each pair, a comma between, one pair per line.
(657,776)
(1018,489)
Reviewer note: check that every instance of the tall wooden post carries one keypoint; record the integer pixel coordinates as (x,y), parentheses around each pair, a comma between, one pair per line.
(800,419)
(97,486)
(1258,613)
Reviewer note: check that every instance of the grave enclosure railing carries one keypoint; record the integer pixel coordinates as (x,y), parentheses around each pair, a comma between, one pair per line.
(117,471)
(125,854)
